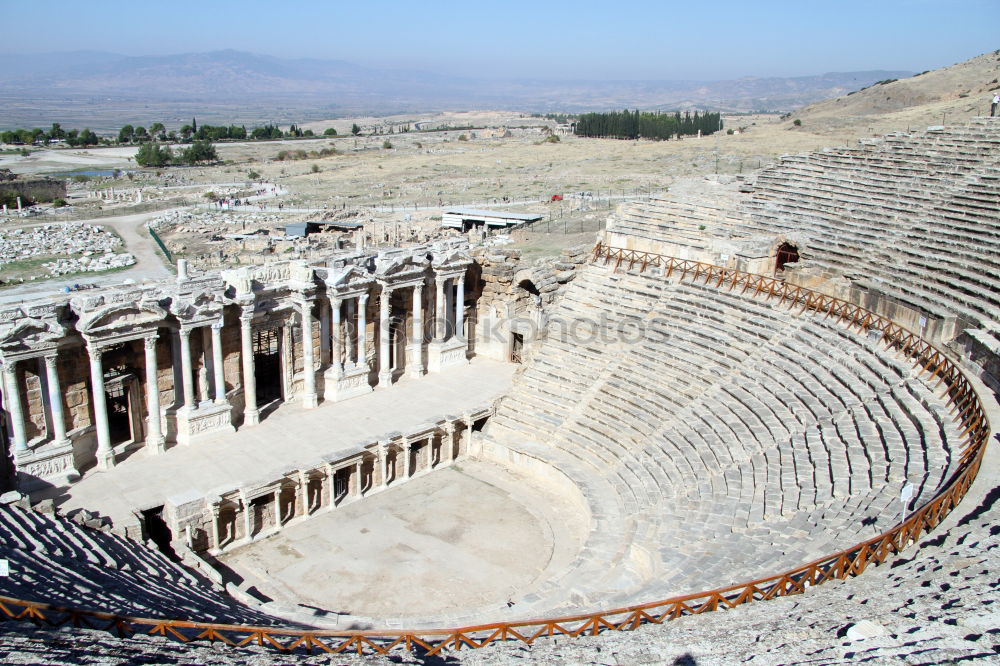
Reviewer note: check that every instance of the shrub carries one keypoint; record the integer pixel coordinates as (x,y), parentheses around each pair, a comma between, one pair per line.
(253,175)
(552,139)
(59,202)
(462,137)
(314,168)
(797,122)
(386,144)
(330,131)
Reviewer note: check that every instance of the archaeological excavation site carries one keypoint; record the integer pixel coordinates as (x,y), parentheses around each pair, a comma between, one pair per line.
(741,417)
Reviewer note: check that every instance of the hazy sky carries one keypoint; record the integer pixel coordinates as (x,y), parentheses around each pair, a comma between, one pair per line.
(661,39)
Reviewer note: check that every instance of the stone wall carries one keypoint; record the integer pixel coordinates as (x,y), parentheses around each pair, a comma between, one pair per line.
(30,191)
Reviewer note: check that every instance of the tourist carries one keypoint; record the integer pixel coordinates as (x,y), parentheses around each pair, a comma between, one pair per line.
(993,106)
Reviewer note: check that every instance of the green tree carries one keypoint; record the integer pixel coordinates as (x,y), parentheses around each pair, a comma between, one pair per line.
(57,132)
(330,131)
(355,130)
(125,134)
(141,135)
(199,151)
(152,154)
(158,131)
(87,138)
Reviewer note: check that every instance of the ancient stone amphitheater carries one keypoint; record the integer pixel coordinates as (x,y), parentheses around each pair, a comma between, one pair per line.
(771,389)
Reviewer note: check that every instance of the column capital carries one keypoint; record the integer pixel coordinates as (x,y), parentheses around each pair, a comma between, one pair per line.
(8,368)
(450,427)
(95,352)
(363,297)
(50,359)
(217,326)
(149,342)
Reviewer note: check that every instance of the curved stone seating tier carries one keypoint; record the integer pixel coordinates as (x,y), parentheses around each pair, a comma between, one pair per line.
(915,215)
(720,438)
(56,560)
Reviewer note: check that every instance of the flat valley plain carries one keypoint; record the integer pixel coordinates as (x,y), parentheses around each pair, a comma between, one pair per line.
(408,177)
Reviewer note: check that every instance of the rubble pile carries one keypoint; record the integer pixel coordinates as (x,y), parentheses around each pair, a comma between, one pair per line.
(76,247)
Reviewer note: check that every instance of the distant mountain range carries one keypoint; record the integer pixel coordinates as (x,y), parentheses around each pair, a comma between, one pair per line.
(322,88)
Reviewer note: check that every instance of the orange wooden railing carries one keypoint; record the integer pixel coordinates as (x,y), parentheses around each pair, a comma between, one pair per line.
(961,398)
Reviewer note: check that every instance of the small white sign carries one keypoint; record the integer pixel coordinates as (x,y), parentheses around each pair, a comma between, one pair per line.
(4,569)
(923,322)
(906,494)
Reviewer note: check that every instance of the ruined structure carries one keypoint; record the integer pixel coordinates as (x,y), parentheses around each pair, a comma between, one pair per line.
(90,377)
(750,396)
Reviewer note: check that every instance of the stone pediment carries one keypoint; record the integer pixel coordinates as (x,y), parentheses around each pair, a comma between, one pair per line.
(197,306)
(29,333)
(347,278)
(392,267)
(119,318)
(451,259)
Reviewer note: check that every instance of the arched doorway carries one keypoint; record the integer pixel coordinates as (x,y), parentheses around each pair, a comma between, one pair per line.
(786,254)
(527,306)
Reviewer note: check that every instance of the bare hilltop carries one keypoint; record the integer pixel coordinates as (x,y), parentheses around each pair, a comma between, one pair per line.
(935,97)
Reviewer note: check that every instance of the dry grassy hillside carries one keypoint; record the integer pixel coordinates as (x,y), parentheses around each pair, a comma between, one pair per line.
(949,95)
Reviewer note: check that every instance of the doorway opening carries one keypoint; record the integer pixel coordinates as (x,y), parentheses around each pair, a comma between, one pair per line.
(159,532)
(267,365)
(516,347)
(787,254)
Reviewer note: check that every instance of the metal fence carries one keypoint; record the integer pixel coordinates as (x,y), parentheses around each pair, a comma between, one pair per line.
(962,400)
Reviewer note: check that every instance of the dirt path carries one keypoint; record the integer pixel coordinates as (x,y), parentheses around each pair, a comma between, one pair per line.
(149,261)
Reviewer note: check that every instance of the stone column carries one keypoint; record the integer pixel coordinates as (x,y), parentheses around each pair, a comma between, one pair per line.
(251,416)
(336,342)
(407,465)
(440,325)
(467,433)
(417,357)
(383,461)
(247,518)
(12,401)
(331,483)
(55,400)
(363,329)
(105,454)
(154,434)
(213,515)
(358,480)
(448,452)
(187,373)
(309,399)
(460,308)
(219,378)
(418,314)
(302,492)
(429,445)
(384,369)
(278,521)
